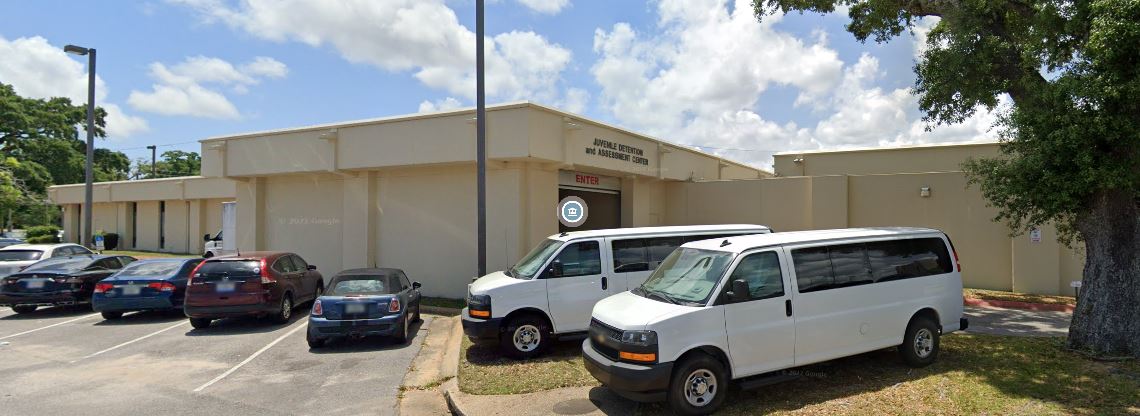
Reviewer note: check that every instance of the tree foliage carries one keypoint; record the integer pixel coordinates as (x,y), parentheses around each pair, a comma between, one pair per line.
(1070,141)
(173,163)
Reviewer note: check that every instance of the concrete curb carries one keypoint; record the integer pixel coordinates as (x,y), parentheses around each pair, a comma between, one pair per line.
(450,390)
(439,310)
(1010,304)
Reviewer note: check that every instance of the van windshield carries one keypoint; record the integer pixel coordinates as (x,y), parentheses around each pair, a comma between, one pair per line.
(688,276)
(528,267)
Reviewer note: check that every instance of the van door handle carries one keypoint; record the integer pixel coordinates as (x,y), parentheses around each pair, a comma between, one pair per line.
(605,283)
(788,307)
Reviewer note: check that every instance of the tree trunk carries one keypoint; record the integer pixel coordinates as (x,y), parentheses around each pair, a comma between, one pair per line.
(1107,318)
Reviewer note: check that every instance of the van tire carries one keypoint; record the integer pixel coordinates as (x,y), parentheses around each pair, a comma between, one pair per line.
(200,323)
(24,308)
(920,344)
(208,254)
(112,315)
(533,335)
(707,371)
(285,309)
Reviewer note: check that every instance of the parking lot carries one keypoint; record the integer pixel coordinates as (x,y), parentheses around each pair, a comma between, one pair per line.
(70,361)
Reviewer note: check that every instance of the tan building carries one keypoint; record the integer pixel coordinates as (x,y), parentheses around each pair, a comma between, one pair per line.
(400,192)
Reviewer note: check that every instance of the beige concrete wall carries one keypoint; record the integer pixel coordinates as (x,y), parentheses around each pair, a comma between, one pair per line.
(147,226)
(304,215)
(907,159)
(190,187)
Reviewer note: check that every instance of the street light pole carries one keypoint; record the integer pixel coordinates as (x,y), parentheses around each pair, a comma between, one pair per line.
(481,140)
(88,205)
(153,150)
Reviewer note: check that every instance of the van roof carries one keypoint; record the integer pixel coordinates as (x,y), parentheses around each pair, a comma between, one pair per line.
(572,235)
(747,242)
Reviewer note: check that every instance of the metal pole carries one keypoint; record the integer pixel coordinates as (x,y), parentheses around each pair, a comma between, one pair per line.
(88,206)
(153,150)
(481,141)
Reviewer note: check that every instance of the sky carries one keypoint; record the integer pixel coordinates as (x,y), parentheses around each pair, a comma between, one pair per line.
(701,73)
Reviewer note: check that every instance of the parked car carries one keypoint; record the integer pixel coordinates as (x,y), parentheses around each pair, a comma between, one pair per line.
(265,284)
(158,284)
(365,302)
(16,257)
(745,308)
(551,290)
(5,242)
(68,280)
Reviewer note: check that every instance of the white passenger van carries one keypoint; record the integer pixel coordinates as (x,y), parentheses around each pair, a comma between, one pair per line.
(744,308)
(552,290)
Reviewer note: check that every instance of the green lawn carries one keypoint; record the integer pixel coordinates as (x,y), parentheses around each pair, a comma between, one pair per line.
(975,374)
(444,302)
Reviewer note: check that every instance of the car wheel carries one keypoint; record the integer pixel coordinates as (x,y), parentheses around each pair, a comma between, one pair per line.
(112,315)
(208,254)
(313,341)
(24,308)
(200,323)
(285,310)
(401,336)
(526,337)
(417,318)
(698,386)
(920,345)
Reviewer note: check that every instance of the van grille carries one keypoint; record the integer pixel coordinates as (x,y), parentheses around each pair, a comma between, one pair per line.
(609,337)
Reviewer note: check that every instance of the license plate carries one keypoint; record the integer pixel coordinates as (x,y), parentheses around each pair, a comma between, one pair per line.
(225,287)
(35,284)
(355,308)
(132,290)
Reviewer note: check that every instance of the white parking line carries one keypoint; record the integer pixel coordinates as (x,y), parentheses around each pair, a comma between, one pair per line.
(250,358)
(134,340)
(50,326)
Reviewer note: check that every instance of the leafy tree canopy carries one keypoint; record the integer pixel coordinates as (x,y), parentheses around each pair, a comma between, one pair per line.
(173,163)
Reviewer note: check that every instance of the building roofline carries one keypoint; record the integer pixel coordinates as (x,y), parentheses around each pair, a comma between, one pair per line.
(156,180)
(886,148)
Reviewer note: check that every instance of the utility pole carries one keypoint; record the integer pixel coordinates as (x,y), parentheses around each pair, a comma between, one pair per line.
(88,203)
(153,150)
(481,141)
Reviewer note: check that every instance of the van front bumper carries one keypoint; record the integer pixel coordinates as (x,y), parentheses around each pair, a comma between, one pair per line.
(480,329)
(637,382)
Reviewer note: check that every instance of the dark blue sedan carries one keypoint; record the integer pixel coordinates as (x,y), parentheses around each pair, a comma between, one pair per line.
(158,284)
(365,302)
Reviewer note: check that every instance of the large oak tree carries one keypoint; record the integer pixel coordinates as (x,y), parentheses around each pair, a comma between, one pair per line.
(1071,140)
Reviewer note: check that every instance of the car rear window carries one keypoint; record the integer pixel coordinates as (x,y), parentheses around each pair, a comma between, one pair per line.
(361,285)
(146,269)
(60,264)
(20,255)
(231,268)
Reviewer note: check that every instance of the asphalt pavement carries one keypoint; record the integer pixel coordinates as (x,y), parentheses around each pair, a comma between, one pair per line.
(68,361)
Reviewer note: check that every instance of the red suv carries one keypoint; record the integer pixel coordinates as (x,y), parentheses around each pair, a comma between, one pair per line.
(264,284)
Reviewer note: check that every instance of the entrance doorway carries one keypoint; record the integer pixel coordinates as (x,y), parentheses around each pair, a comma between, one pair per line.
(602,195)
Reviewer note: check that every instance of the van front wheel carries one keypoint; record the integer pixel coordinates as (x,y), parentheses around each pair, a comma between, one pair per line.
(525,337)
(698,386)
(920,345)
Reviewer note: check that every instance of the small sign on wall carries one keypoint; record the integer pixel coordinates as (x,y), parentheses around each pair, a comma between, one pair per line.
(1035,235)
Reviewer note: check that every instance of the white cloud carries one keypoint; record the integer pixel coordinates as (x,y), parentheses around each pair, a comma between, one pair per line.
(698,79)
(423,37)
(445,104)
(545,6)
(181,89)
(38,69)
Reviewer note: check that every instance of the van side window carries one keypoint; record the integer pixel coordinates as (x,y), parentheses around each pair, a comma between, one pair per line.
(660,248)
(813,269)
(903,259)
(580,259)
(849,265)
(630,256)
(762,272)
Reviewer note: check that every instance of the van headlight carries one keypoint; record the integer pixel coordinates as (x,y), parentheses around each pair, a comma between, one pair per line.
(479,306)
(639,338)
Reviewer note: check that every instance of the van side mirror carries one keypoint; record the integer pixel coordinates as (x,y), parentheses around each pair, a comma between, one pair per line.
(312,267)
(206,237)
(416,285)
(739,291)
(555,269)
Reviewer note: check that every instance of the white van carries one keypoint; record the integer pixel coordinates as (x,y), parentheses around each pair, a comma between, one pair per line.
(552,290)
(744,308)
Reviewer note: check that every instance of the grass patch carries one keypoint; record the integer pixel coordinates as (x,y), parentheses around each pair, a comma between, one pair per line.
(147,254)
(483,370)
(984,294)
(443,302)
(975,374)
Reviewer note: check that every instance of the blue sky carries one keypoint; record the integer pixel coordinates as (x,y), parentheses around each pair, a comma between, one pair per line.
(702,73)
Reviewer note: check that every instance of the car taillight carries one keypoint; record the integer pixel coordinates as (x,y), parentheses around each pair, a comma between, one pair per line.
(394,306)
(194,273)
(265,277)
(161,286)
(953,250)
(103,287)
(317,309)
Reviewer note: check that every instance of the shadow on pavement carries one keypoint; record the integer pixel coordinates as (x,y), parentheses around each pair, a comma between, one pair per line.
(144,317)
(50,312)
(369,344)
